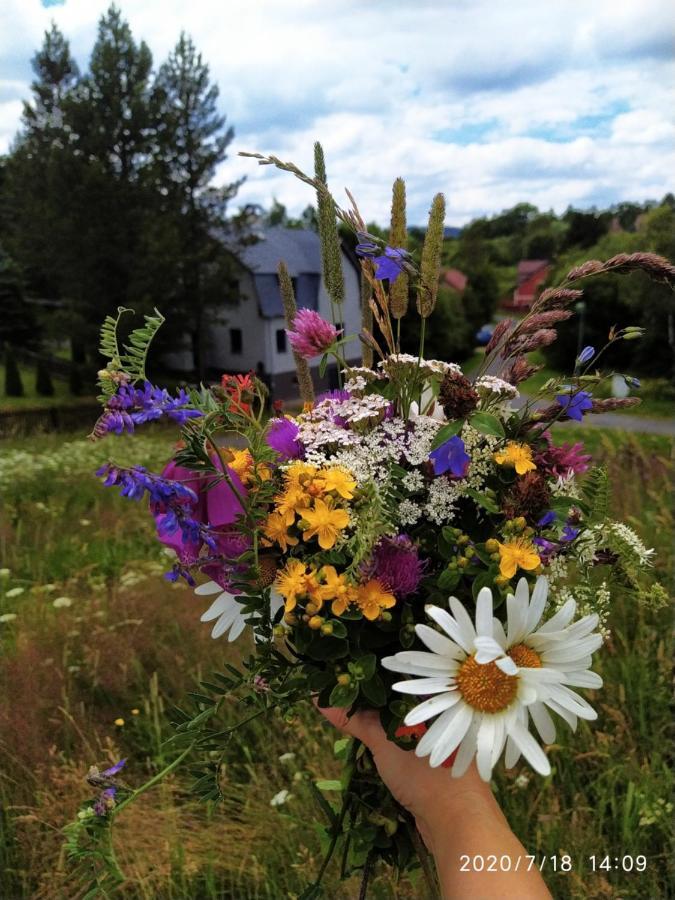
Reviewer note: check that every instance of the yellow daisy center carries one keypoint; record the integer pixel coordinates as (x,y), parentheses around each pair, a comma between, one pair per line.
(488,689)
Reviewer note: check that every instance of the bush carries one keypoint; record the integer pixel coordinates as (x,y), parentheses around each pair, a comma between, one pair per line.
(13,383)
(43,380)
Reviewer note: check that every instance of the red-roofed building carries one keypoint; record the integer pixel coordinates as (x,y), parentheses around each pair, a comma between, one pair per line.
(532,273)
(455,279)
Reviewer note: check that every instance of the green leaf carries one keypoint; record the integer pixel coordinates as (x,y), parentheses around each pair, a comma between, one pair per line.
(446,432)
(339,628)
(343,695)
(487,424)
(448,579)
(364,667)
(485,579)
(340,747)
(374,690)
(323,365)
(329,785)
(483,500)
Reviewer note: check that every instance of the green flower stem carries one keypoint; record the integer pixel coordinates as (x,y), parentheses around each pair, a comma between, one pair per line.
(152,782)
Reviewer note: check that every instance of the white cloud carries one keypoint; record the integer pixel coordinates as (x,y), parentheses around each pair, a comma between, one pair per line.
(555,103)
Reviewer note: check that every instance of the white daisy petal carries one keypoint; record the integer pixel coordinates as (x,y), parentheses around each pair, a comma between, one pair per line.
(209,587)
(584,679)
(530,748)
(565,714)
(463,620)
(576,704)
(428,740)
(226,621)
(450,627)
(432,707)
(421,686)
(437,643)
(498,632)
(543,722)
(561,619)
(466,750)
(218,607)
(454,731)
(405,667)
(537,603)
(487,649)
(485,742)
(238,626)
(516,610)
(484,612)
(506,664)
(512,754)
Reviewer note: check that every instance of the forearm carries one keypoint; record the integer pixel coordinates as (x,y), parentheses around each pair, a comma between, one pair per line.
(473,826)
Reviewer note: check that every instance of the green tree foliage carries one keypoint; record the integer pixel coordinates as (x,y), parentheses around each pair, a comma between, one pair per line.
(191,214)
(107,198)
(17,322)
(13,383)
(626,300)
(448,333)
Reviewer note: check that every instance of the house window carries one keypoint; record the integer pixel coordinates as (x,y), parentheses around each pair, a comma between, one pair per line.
(235,341)
(281,340)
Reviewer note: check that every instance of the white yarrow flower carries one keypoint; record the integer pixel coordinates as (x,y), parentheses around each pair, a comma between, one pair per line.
(280,798)
(228,612)
(482,682)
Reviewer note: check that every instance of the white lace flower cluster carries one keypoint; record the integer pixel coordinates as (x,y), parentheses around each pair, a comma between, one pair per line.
(402,362)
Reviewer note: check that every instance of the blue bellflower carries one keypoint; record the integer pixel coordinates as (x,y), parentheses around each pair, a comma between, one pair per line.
(388,263)
(575,405)
(451,457)
(586,355)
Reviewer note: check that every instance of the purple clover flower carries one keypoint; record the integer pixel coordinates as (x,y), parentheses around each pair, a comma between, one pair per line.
(451,457)
(575,405)
(311,335)
(105,801)
(282,436)
(132,406)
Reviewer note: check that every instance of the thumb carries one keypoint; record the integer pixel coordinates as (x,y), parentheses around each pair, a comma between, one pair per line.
(364,725)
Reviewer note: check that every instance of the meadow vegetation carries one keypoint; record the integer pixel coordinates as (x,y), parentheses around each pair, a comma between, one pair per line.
(96,646)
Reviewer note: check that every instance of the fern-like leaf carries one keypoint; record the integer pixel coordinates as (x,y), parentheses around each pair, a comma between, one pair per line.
(109,346)
(596,493)
(135,353)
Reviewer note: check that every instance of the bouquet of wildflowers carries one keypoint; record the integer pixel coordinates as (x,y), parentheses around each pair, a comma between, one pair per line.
(416,541)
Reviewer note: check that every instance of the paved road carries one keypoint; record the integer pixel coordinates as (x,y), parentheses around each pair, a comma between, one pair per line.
(623,421)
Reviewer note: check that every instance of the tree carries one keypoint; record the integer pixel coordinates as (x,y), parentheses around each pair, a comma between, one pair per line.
(13,383)
(43,380)
(192,143)
(18,327)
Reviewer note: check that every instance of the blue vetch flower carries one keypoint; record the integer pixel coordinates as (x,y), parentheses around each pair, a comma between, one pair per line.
(586,355)
(575,405)
(132,406)
(547,519)
(451,457)
(568,534)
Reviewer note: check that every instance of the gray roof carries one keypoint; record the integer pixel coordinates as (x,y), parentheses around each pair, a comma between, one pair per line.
(299,248)
(301,251)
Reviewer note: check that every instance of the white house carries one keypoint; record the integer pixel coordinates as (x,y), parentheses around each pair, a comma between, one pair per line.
(252,336)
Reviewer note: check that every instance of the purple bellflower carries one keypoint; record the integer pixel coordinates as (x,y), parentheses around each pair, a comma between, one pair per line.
(451,457)
(575,405)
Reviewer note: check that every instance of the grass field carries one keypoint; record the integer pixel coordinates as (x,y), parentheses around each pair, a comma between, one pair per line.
(92,634)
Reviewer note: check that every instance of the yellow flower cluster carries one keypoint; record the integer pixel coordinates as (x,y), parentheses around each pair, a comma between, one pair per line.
(313,504)
(300,582)
(241,463)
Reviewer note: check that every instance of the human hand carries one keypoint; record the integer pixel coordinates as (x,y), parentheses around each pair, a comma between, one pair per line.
(432,796)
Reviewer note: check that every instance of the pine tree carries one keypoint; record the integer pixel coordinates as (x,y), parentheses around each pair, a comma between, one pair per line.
(192,143)
(13,383)
(44,386)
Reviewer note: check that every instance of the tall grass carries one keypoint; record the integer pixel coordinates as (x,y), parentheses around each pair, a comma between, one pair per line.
(128,641)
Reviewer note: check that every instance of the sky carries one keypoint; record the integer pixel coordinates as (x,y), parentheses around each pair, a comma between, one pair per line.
(556,103)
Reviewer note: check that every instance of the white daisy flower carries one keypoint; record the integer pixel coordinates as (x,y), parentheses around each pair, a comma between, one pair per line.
(482,681)
(229,612)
